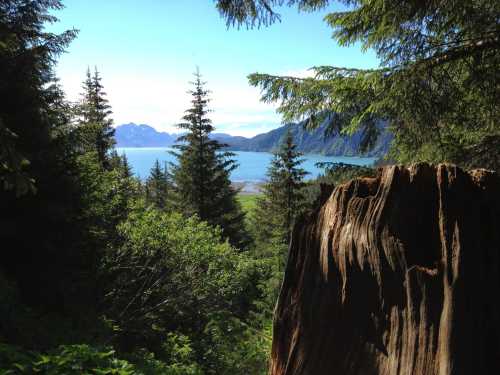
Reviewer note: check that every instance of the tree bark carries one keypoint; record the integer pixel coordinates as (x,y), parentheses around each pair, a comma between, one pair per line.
(397,274)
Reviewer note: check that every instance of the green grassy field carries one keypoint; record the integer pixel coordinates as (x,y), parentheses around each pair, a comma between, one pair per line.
(247,201)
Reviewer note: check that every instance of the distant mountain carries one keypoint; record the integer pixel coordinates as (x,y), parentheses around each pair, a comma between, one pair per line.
(309,142)
(313,142)
(231,140)
(132,135)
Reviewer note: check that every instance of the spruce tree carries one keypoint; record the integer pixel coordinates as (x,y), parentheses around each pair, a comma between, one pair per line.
(158,186)
(86,108)
(42,236)
(272,220)
(283,198)
(30,96)
(201,175)
(97,133)
(126,167)
(105,140)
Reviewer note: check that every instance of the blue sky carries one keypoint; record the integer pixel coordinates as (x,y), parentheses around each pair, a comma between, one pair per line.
(147,50)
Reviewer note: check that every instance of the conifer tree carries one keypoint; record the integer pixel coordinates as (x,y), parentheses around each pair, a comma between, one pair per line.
(158,186)
(95,125)
(437,86)
(115,160)
(86,108)
(275,212)
(126,168)
(105,140)
(42,235)
(201,177)
(283,198)
(30,97)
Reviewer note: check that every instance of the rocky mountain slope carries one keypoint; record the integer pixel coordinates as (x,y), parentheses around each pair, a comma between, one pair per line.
(393,275)
(133,135)
(312,142)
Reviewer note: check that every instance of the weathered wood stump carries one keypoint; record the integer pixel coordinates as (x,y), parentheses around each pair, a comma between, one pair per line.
(397,274)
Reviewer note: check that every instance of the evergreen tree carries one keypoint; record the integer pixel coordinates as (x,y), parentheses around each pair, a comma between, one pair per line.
(201,177)
(120,163)
(126,167)
(95,125)
(27,88)
(437,87)
(86,106)
(115,160)
(105,139)
(272,220)
(127,186)
(283,198)
(158,186)
(41,236)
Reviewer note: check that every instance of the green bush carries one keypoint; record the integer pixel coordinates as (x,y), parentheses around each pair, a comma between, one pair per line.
(174,275)
(181,358)
(66,359)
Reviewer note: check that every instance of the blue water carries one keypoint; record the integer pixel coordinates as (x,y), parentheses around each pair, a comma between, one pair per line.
(252,165)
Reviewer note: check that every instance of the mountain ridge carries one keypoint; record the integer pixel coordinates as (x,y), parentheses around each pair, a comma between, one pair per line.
(308,141)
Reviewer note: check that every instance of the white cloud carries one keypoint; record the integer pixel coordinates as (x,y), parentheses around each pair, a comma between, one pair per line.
(160,101)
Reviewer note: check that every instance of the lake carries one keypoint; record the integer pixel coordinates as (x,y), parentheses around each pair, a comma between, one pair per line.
(252,165)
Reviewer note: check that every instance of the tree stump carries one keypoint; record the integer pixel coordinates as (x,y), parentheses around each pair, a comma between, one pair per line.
(397,274)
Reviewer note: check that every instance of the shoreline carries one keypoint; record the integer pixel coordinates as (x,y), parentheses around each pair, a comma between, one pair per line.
(248,187)
(305,154)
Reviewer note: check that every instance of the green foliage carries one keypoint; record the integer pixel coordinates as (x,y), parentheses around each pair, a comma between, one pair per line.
(87,262)
(158,187)
(13,165)
(239,347)
(15,361)
(260,12)
(339,173)
(107,195)
(173,273)
(66,359)
(77,359)
(178,350)
(335,174)
(40,233)
(437,87)
(281,202)
(201,177)
(27,89)
(94,128)
(85,359)
(273,254)
(248,202)
(282,199)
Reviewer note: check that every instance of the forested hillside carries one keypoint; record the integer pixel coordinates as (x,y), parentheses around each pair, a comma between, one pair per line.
(313,141)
